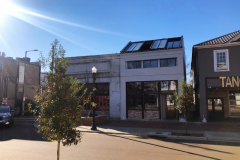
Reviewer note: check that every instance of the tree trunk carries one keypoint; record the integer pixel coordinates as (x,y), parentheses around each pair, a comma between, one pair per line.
(186,126)
(58,150)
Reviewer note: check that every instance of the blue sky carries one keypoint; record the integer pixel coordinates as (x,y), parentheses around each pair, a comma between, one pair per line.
(91,27)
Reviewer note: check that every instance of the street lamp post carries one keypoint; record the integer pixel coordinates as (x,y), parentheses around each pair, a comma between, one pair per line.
(23,102)
(94,71)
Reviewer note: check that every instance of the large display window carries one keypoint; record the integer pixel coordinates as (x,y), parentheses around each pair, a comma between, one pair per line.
(234,103)
(145,96)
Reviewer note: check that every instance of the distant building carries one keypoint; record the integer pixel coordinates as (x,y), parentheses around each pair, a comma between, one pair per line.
(12,78)
(215,72)
(136,83)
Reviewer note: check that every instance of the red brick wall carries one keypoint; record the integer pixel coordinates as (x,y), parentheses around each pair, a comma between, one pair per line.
(135,114)
(151,114)
(32,74)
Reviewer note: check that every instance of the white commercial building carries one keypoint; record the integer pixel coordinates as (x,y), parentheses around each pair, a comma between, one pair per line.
(138,82)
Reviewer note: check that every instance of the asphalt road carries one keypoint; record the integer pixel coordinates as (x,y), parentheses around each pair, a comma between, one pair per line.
(21,142)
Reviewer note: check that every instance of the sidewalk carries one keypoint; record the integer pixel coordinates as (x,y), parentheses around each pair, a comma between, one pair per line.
(175,125)
(223,131)
(210,131)
(164,133)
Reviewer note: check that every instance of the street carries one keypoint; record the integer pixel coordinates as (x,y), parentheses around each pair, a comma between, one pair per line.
(22,142)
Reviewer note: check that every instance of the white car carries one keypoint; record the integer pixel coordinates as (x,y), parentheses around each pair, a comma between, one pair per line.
(6,116)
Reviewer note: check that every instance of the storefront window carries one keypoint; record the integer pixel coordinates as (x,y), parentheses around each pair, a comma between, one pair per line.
(164,85)
(172,85)
(168,85)
(234,101)
(151,86)
(134,101)
(151,101)
(134,86)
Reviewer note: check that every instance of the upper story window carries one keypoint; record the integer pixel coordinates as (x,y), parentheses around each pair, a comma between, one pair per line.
(221,60)
(159,44)
(134,64)
(135,46)
(150,63)
(168,62)
(173,44)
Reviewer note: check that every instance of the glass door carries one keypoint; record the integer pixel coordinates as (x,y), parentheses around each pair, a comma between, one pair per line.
(170,107)
(215,108)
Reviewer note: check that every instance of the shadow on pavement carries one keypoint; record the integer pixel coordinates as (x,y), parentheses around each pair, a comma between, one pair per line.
(22,132)
(223,126)
(200,155)
(196,142)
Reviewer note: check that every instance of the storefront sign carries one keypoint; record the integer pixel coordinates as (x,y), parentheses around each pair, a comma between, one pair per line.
(4,101)
(230,81)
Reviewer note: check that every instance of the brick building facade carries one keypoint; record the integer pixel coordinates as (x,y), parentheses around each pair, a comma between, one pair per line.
(12,78)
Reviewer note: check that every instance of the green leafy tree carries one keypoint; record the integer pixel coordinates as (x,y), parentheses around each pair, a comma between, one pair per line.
(184,101)
(60,111)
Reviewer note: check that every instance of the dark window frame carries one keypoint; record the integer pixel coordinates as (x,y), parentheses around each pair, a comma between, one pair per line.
(167,62)
(134,61)
(135,45)
(150,63)
(173,41)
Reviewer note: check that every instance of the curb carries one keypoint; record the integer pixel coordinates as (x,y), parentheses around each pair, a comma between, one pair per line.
(170,136)
(186,137)
(223,139)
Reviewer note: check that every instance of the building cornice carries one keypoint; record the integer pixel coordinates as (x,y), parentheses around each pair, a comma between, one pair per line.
(218,45)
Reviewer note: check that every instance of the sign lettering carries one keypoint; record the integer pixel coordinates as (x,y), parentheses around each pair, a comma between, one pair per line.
(230,81)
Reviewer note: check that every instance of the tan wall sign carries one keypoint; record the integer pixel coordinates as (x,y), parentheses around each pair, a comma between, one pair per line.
(230,81)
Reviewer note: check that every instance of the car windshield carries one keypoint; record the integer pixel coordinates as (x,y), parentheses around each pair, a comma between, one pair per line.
(4,109)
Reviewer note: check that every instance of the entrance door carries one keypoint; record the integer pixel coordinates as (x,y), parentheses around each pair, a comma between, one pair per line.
(215,108)
(170,108)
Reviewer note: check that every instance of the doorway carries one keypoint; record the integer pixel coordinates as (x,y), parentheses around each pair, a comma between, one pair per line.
(170,107)
(215,108)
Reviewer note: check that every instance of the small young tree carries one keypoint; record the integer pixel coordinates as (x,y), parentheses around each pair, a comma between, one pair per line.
(60,107)
(184,101)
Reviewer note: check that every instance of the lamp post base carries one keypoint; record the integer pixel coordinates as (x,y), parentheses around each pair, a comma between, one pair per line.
(94,128)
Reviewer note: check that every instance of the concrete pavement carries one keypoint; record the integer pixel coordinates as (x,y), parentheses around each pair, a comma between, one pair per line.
(148,132)
(22,142)
(210,131)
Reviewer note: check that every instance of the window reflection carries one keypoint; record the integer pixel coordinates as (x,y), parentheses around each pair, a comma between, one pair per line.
(134,64)
(164,62)
(234,102)
(134,101)
(176,44)
(132,46)
(133,86)
(151,101)
(168,62)
(162,44)
(155,44)
(150,64)
(170,44)
(150,86)
(171,62)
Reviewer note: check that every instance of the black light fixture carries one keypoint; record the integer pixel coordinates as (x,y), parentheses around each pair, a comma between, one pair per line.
(94,71)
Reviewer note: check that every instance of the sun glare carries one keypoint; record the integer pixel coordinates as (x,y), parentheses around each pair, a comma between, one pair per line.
(7,8)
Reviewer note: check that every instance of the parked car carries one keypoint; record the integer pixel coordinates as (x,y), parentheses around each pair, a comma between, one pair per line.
(6,116)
